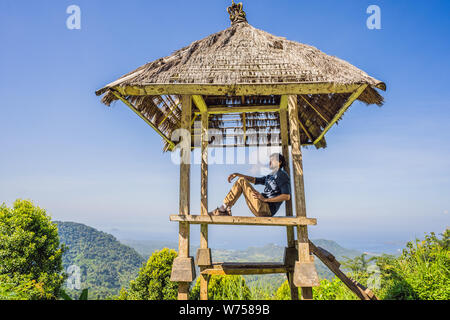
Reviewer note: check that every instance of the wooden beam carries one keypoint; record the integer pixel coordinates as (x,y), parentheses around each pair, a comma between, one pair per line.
(230,106)
(135,110)
(244,268)
(344,108)
(248,145)
(247,221)
(231,89)
(249,109)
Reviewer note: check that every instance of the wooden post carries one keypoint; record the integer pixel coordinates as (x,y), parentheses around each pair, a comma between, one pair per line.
(205,253)
(183,270)
(304,268)
(290,250)
(285,152)
(185,194)
(203,258)
(204,172)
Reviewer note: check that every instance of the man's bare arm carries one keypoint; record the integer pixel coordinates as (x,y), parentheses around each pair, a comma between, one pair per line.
(248,178)
(280,198)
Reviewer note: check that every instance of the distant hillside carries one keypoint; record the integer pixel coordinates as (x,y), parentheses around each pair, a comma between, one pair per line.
(147,247)
(106,264)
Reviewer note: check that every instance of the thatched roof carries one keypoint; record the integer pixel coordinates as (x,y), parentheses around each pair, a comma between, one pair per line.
(244,66)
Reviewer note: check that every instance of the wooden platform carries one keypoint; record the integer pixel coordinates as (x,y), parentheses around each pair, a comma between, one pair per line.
(249,221)
(243,268)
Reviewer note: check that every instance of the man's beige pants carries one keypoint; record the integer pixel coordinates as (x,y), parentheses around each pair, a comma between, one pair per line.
(242,186)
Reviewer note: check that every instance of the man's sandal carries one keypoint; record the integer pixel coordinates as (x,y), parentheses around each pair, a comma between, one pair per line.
(218,212)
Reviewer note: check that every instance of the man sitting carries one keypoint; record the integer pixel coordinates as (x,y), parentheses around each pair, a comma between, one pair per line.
(277,189)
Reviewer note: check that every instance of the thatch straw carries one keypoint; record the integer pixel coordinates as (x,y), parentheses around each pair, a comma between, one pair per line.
(243,54)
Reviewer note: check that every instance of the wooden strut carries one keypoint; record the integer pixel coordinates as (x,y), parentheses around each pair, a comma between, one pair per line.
(355,95)
(330,261)
(315,109)
(135,110)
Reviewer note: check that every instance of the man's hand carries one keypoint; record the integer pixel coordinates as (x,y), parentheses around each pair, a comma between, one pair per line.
(258,196)
(232,176)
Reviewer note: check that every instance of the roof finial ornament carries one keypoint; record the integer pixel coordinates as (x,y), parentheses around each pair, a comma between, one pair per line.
(237,14)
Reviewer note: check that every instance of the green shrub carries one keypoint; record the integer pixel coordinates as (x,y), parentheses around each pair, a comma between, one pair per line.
(283,292)
(422,272)
(229,287)
(153,281)
(328,290)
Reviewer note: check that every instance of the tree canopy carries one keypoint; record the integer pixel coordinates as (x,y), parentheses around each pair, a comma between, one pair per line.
(30,253)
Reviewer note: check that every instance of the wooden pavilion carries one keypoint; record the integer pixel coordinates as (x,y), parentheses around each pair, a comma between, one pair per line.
(256,89)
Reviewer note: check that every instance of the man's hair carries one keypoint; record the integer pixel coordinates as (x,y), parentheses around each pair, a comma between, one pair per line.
(280,159)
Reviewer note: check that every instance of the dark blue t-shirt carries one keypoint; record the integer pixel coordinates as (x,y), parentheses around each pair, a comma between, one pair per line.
(274,185)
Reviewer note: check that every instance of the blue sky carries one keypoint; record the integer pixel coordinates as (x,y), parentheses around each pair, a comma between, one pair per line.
(383,179)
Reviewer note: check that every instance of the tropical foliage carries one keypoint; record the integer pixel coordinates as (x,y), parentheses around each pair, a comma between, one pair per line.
(421,272)
(30,253)
(153,281)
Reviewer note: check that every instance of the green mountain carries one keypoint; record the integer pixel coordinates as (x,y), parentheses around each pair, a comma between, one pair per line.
(106,265)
